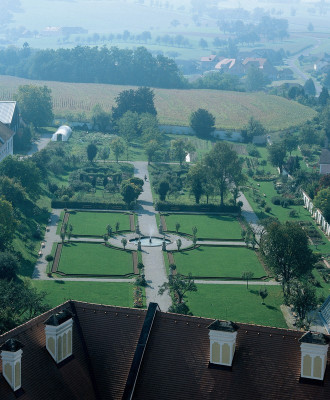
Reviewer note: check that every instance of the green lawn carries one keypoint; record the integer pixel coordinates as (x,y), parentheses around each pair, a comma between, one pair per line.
(218,262)
(208,226)
(94,258)
(95,223)
(59,291)
(235,302)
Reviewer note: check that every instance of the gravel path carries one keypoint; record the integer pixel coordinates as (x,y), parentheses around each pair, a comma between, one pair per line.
(152,257)
(50,238)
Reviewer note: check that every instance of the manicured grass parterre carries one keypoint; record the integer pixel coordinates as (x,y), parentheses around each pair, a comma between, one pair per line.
(236,303)
(218,262)
(59,291)
(95,223)
(208,226)
(94,259)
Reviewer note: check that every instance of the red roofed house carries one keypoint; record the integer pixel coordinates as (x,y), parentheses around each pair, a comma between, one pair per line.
(230,66)
(208,63)
(88,351)
(262,64)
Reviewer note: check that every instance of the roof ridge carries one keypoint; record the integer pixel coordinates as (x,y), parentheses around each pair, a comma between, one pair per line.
(85,349)
(31,322)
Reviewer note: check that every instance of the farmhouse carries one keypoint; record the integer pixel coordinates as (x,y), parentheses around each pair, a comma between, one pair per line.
(87,351)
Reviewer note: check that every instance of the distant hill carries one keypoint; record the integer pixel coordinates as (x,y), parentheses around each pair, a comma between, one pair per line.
(231,109)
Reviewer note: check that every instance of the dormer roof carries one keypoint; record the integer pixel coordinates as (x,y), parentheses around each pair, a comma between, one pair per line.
(314,338)
(59,318)
(224,326)
(12,345)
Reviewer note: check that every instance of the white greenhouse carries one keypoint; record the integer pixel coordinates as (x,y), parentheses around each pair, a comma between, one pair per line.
(62,134)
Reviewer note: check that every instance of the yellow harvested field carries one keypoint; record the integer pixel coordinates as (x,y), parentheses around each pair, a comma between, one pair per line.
(231,109)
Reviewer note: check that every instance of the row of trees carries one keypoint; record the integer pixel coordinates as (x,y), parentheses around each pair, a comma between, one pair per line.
(92,64)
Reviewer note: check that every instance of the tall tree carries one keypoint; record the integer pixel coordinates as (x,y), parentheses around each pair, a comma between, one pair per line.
(180,149)
(324,96)
(118,147)
(140,101)
(19,303)
(255,79)
(286,250)
(202,122)
(91,151)
(25,172)
(196,178)
(8,265)
(130,191)
(152,150)
(253,128)
(180,285)
(101,119)
(277,153)
(309,87)
(303,298)
(35,103)
(223,168)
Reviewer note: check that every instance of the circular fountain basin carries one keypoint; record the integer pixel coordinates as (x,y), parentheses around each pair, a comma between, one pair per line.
(150,241)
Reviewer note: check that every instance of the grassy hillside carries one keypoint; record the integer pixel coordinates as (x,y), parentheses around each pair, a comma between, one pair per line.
(231,109)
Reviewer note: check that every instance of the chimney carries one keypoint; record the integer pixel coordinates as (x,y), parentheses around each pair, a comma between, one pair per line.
(59,335)
(314,348)
(11,354)
(222,342)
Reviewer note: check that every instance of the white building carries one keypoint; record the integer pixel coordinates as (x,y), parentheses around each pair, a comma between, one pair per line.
(62,134)
(6,141)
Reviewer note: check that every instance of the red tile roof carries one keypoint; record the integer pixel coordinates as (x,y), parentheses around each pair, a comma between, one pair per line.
(175,364)
(210,58)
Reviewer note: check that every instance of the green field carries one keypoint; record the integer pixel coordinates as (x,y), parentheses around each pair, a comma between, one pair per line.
(95,223)
(94,258)
(208,226)
(218,262)
(59,291)
(231,109)
(236,303)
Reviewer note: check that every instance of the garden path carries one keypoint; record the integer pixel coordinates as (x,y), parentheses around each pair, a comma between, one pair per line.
(50,238)
(152,257)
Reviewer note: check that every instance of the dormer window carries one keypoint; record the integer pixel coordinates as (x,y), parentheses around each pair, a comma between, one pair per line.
(222,342)
(314,349)
(59,335)
(11,354)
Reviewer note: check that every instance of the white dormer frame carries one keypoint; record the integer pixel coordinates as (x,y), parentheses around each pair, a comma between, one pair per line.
(222,347)
(59,340)
(313,360)
(11,368)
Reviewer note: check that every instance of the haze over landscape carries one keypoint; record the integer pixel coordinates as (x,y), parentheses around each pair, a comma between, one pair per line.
(164,199)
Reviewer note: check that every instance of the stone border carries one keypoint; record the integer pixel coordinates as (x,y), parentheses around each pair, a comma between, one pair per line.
(132,222)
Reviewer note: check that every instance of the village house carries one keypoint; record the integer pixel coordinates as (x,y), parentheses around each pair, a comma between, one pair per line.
(88,351)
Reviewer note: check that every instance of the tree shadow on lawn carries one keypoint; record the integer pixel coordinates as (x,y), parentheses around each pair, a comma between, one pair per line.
(59,282)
